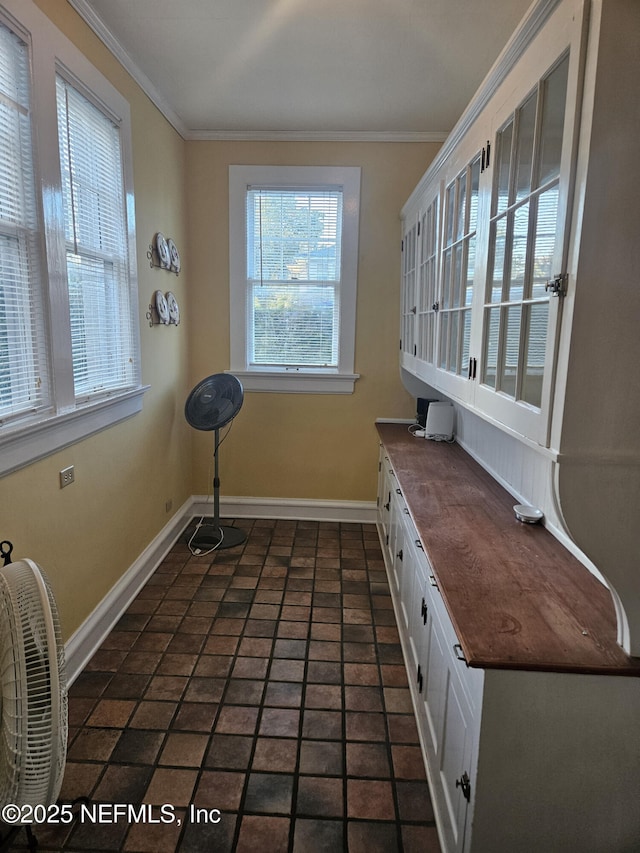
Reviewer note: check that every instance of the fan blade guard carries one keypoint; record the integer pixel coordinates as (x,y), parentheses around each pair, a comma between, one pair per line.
(214,402)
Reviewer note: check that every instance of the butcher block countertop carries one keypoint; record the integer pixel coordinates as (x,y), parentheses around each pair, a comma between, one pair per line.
(516,597)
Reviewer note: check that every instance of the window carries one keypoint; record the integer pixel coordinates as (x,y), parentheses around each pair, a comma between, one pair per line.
(69,350)
(24,385)
(102,338)
(293,256)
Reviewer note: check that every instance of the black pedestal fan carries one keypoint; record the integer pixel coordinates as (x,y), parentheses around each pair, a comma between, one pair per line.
(212,404)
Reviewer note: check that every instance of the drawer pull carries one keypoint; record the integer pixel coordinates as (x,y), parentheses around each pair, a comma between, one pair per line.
(398,491)
(433,581)
(457,650)
(399,555)
(419,545)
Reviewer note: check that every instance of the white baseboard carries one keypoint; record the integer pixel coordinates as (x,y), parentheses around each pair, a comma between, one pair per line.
(81,646)
(363,512)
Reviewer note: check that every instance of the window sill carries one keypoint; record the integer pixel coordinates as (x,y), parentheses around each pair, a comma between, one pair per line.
(296,382)
(33,441)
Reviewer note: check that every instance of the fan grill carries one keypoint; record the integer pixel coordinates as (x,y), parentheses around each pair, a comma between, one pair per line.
(214,401)
(33,737)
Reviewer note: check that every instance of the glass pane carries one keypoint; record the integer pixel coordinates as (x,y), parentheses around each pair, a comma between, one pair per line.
(296,235)
(444,328)
(467,287)
(466,339)
(504,140)
(491,346)
(449,210)
(524,153)
(536,342)
(446,279)
(554,98)
(545,241)
(462,205)
(457,275)
(511,350)
(429,336)
(473,199)
(295,325)
(519,253)
(453,343)
(500,230)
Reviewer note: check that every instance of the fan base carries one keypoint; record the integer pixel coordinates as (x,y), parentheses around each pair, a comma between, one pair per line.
(210,535)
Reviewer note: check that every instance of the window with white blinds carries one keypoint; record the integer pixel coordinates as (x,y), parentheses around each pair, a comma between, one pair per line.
(102,337)
(293,276)
(294,244)
(69,347)
(24,382)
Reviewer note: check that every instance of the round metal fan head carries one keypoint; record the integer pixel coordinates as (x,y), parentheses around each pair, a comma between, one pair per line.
(214,401)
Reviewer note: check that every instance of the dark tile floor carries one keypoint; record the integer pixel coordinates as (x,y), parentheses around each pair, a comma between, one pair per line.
(252,700)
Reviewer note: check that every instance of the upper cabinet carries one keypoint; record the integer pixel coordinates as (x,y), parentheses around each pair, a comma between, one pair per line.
(484,237)
(530,269)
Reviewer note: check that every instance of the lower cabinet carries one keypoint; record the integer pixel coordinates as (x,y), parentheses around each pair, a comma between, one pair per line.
(516,760)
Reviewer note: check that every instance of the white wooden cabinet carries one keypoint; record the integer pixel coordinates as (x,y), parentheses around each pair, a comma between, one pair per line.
(536,299)
(516,760)
(504,205)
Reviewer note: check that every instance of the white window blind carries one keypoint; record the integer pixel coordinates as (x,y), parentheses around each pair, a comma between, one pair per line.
(102,335)
(24,384)
(294,261)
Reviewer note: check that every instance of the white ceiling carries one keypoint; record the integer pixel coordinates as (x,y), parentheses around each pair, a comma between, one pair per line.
(365,68)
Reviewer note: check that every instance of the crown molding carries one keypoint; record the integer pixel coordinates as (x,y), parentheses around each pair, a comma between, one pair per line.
(315,136)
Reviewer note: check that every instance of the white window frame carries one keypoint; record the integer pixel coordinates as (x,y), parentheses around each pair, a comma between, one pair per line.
(300,380)
(67,420)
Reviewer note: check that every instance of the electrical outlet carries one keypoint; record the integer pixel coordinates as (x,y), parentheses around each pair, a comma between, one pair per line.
(67,476)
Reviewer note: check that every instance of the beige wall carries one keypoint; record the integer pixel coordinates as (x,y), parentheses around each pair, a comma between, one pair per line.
(303,445)
(87,535)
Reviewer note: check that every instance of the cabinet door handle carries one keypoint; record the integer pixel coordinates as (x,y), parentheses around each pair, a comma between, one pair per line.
(398,491)
(457,650)
(399,555)
(424,612)
(433,581)
(419,679)
(465,784)
(419,545)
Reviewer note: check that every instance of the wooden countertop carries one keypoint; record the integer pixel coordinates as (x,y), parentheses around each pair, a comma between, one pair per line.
(516,597)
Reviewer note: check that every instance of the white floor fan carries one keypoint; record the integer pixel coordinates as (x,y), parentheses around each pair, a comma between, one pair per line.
(33,694)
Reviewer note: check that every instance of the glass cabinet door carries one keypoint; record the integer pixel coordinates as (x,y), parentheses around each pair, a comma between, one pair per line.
(532,161)
(523,235)
(408,321)
(458,269)
(427,282)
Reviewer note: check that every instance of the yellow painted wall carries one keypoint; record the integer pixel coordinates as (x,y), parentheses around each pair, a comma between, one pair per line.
(303,445)
(296,446)
(87,535)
